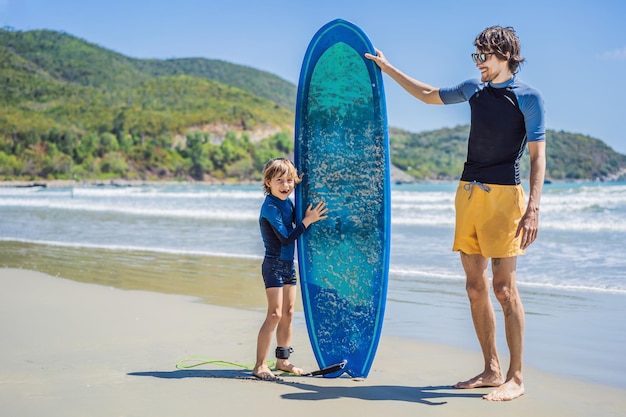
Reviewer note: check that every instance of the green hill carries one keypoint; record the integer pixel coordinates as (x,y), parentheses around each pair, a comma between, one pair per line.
(72,109)
(68,58)
(54,80)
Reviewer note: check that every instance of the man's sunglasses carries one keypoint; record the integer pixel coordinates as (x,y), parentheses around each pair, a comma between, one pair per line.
(481,57)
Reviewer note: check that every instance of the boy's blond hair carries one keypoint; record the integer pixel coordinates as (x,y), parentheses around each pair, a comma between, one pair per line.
(279,167)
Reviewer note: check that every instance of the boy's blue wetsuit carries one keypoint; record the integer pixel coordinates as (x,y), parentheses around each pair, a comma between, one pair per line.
(279,235)
(504,118)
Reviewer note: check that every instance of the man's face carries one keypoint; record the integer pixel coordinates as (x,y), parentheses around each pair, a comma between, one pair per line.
(491,67)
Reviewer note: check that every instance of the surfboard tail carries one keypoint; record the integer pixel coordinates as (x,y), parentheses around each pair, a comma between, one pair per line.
(338,367)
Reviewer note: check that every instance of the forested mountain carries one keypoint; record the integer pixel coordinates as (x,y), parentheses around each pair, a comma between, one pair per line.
(72,109)
(71,59)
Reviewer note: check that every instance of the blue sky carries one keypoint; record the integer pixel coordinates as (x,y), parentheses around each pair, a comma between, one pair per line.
(575,50)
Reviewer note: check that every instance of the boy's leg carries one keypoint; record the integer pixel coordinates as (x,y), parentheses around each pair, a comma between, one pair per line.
(284,330)
(264,339)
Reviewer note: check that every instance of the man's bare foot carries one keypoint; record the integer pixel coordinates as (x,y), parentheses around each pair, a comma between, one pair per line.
(510,390)
(286,366)
(263,372)
(482,380)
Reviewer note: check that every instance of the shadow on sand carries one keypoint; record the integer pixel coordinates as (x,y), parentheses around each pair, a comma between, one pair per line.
(428,395)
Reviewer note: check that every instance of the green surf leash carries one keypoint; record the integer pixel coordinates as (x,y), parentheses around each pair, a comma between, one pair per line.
(203,360)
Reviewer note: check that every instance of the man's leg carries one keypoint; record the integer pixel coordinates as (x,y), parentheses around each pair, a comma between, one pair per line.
(505,288)
(477,286)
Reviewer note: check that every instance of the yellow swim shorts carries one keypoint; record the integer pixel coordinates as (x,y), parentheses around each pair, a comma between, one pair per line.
(487,216)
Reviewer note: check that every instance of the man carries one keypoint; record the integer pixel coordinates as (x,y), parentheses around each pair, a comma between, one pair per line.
(492,218)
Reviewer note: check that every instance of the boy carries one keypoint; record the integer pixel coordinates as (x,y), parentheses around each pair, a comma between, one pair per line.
(277,221)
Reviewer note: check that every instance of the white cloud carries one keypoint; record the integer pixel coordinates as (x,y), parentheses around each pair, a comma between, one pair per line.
(615,55)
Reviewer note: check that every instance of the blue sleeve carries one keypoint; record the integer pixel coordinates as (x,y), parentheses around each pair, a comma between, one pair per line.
(531,105)
(460,93)
(274,216)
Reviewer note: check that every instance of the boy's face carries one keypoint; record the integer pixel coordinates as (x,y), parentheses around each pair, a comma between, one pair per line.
(281,186)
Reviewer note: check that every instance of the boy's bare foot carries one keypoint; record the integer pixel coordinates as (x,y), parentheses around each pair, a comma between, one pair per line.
(263,373)
(481,380)
(510,390)
(286,366)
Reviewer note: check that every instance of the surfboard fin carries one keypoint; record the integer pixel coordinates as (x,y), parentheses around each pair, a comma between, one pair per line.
(329,369)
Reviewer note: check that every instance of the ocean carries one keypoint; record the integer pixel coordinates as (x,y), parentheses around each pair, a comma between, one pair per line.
(572,279)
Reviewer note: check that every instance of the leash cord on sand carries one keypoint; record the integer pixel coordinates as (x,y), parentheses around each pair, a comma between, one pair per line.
(203,360)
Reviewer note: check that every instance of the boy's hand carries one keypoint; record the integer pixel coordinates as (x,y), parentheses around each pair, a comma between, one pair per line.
(314,214)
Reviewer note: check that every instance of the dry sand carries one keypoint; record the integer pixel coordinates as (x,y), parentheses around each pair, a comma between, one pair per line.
(74,349)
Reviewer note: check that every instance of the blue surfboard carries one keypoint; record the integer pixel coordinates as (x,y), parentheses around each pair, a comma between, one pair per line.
(342,152)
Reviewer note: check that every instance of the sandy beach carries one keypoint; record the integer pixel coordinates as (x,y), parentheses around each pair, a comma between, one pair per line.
(74,349)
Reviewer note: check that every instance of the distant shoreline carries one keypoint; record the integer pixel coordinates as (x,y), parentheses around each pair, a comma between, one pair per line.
(112,182)
(143,183)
